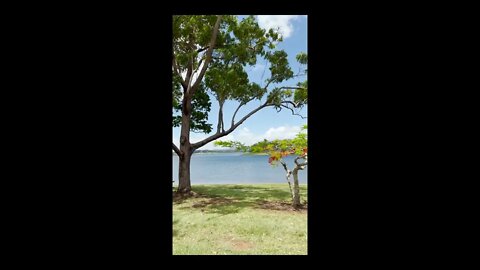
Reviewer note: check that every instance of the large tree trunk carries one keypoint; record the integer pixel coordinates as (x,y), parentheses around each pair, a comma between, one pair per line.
(186,149)
(184,185)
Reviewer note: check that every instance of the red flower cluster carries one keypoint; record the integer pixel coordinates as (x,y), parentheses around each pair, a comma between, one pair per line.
(272,158)
(277,156)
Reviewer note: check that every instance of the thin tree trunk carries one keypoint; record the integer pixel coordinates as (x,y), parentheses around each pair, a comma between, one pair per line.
(287,176)
(296,188)
(220,127)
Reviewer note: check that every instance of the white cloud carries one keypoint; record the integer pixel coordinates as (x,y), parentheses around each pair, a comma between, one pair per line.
(283,22)
(245,136)
(282,132)
(244,132)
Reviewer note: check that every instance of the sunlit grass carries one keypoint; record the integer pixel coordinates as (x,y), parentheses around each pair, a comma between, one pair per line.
(239,219)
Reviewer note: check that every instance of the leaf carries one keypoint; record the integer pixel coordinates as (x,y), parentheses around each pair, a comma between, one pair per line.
(302,58)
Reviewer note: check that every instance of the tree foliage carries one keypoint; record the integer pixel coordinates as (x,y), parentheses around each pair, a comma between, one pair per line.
(199,117)
(239,44)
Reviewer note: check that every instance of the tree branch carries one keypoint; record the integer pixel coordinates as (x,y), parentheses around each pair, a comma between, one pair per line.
(202,49)
(291,87)
(175,148)
(199,64)
(209,54)
(223,126)
(288,176)
(299,74)
(235,113)
(190,73)
(301,165)
(286,169)
(232,128)
(175,69)
(238,108)
(248,115)
(293,112)
(268,83)
(220,117)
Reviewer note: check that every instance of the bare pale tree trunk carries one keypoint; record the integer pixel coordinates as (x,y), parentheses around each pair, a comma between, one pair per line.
(296,188)
(289,173)
(295,192)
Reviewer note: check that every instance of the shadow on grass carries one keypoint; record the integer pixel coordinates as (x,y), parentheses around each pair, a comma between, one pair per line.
(240,192)
(222,208)
(230,199)
(174,232)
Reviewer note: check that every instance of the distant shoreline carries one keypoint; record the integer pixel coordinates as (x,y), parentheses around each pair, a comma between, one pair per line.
(224,152)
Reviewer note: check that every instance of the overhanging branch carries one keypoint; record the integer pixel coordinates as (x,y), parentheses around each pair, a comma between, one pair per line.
(238,108)
(268,83)
(235,113)
(291,87)
(293,112)
(301,165)
(248,115)
(232,128)
(175,148)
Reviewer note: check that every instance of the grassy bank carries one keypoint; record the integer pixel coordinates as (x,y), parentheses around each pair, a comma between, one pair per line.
(239,219)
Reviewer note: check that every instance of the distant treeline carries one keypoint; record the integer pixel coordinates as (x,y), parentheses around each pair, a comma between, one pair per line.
(212,151)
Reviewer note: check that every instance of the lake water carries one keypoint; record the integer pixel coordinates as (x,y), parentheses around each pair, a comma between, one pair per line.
(236,168)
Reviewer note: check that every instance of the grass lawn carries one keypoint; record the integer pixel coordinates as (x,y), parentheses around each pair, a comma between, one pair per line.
(239,219)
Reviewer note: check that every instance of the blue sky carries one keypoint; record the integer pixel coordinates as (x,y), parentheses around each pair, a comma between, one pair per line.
(267,123)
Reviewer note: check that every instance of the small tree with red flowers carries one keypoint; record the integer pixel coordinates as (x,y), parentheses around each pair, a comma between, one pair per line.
(277,150)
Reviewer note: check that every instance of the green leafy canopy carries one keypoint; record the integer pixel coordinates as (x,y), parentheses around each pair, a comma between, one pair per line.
(239,44)
(295,146)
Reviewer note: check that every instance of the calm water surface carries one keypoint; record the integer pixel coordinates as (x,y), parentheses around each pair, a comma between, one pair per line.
(236,168)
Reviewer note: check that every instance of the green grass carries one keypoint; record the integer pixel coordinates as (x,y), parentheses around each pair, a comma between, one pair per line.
(239,219)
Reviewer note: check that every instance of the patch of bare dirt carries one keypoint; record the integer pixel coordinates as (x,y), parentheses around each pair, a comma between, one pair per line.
(180,197)
(239,245)
(212,201)
(280,206)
